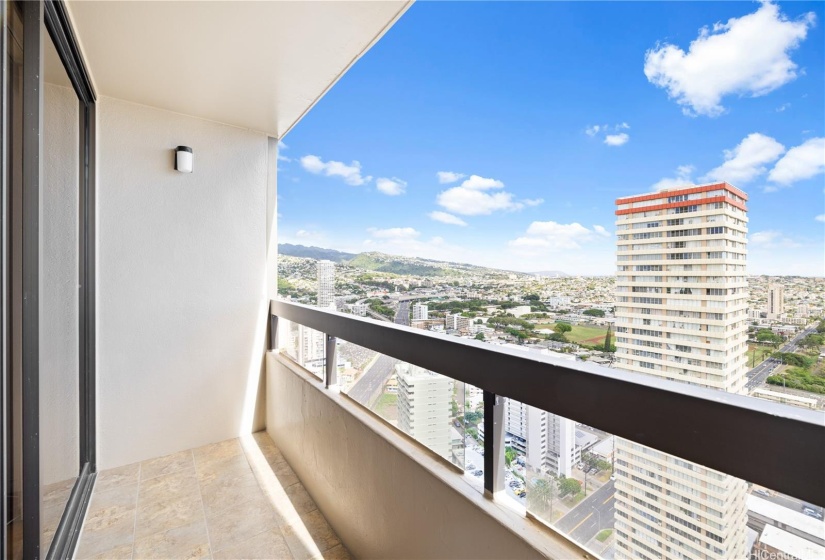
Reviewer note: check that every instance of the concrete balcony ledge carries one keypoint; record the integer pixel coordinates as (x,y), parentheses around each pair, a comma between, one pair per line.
(385,495)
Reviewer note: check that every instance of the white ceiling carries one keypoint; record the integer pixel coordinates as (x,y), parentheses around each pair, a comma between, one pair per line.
(257,65)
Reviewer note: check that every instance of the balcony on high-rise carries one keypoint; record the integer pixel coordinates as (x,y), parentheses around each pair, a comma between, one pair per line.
(161,401)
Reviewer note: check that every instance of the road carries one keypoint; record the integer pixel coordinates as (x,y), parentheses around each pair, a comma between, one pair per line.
(788,502)
(402,317)
(474,458)
(758,375)
(595,513)
(368,387)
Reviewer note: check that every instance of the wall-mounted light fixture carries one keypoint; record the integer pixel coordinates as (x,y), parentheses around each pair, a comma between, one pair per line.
(184,159)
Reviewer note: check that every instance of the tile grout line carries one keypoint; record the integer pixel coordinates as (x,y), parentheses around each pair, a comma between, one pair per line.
(203,507)
(137,500)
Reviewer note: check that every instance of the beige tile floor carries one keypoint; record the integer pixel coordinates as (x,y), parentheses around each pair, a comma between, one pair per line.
(237,499)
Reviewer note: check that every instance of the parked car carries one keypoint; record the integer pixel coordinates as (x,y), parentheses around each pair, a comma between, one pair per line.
(479,472)
(763,492)
(811,512)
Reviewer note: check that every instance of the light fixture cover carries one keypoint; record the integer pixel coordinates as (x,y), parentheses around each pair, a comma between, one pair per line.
(184,159)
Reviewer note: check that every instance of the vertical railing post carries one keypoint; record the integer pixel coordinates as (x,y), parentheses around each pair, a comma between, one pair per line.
(493,444)
(331,377)
(273,332)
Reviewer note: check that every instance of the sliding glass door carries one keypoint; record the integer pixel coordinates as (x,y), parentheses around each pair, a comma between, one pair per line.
(48,290)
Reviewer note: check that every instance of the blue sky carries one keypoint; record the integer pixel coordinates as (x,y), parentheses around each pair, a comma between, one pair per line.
(501,133)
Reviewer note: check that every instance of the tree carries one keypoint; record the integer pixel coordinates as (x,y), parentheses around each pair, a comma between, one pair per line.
(509,455)
(562,327)
(557,337)
(820,328)
(480,336)
(593,312)
(812,341)
(569,486)
(540,495)
(590,459)
(768,336)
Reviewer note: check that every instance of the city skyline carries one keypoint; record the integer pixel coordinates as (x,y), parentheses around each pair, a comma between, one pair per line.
(533,181)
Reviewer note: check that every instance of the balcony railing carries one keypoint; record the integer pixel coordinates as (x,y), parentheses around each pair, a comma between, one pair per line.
(770,444)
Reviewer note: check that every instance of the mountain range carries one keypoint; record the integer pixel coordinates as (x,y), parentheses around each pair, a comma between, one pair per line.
(381,262)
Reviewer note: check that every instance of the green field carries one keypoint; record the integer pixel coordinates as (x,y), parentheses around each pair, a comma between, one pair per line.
(387,406)
(587,334)
(603,535)
(757,354)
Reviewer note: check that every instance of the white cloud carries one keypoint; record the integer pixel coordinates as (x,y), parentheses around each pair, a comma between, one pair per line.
(616,139)
(682,179)
(394,233)
(481,183)
(782,107)
(408,241)
(745,56)
(747,160)
(820,218)
(533,201)
(543,237)
(392,187)
(445,177)
(801,162)
(446,218)
(308,234)
(772,239)
(282,147)
(469,202)
(350,173)
(470,198)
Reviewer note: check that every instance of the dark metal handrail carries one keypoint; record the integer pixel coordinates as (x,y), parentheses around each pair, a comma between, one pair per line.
(771,444)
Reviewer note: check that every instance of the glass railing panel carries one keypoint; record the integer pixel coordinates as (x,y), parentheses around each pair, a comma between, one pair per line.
(305,346)
(621,499)
(473,422)
(426,405)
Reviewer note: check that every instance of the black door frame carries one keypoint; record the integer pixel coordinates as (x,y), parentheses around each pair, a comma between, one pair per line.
(53,14)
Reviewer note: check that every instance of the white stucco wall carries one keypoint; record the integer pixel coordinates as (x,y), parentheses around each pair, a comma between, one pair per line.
(181,293)
(385,495)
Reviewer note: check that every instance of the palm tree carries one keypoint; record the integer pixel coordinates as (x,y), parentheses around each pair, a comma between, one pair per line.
(541,495)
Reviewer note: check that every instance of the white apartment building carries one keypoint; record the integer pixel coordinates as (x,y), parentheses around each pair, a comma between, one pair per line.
(519,310)
(454,321)
(558,301)
(425,406)
(326,284)
(681,314)
(547,441)
(311,348)
(359,309)
(421,312)
(776,300)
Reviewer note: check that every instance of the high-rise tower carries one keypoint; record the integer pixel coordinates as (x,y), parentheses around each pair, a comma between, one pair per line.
(326,283)
(776,300)
(681,310)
